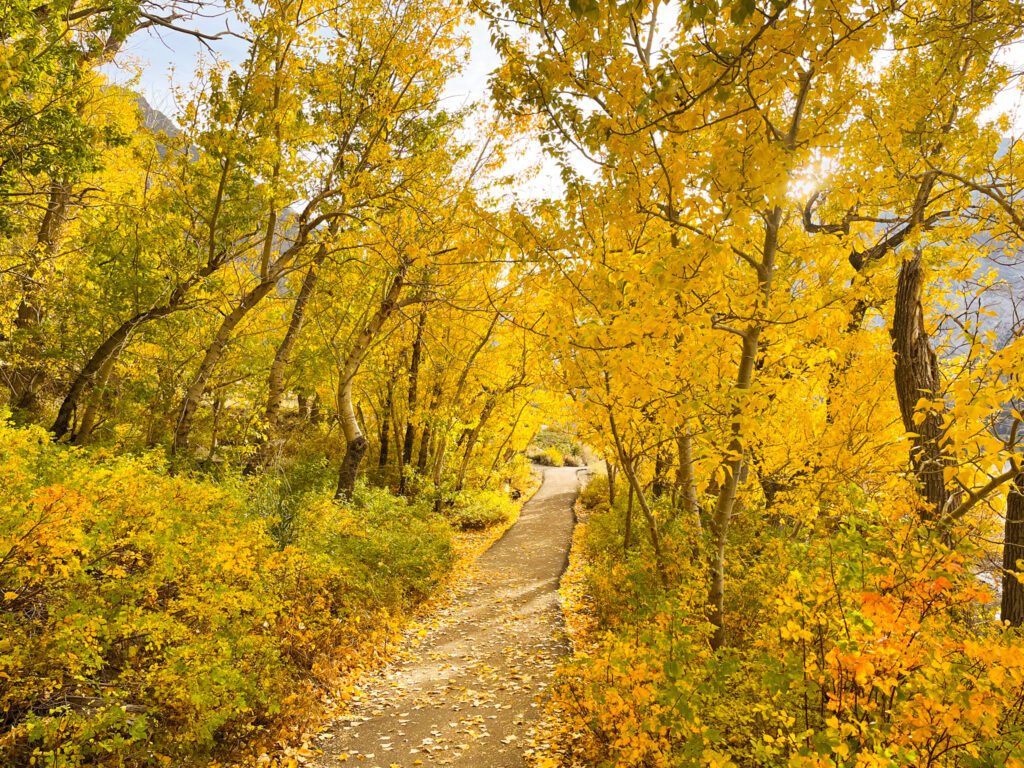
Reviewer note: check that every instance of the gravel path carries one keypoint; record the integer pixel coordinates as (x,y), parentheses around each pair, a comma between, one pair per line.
(467,695)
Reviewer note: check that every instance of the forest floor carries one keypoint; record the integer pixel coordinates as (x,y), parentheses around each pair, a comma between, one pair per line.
(466,694)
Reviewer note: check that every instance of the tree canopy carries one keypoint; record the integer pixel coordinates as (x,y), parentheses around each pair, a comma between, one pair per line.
(778,300)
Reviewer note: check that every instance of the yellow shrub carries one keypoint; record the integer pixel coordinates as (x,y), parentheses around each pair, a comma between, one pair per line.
(552,457)
(871,647)
(148,618)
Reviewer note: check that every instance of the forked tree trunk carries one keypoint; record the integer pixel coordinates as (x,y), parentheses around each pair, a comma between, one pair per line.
(270,275)
(283,358)
(626,462)
(214,353)
(442,434)
(355,441)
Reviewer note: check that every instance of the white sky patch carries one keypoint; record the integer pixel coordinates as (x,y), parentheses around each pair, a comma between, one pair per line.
(1010,100)
(157,64)
(163,60)
(813,176)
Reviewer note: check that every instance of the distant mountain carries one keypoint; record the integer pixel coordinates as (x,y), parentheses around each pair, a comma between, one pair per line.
(155,120)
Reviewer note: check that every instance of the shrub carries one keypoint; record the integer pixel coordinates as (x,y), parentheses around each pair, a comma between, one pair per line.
(477,510)
(153,619)
(594,495)
(569,451)
(549,457)
(852,660)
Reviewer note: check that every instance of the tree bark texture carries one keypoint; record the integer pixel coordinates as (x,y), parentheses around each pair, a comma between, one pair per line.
(917,377)
(1012,604)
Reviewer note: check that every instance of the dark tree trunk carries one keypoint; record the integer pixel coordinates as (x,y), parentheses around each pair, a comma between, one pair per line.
(355,440)
(385,427)
(1012,605)
(88,421)
(116,341)
(410,427)
(270,275)
(658,485)
(917,377)
(105,352)
(27,377)
(354,452)
(423,455)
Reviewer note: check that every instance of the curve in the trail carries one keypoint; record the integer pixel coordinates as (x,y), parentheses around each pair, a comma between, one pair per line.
(467,696)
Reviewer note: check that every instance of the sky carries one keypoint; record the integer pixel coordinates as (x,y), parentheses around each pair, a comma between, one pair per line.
(159,63)
(163,60)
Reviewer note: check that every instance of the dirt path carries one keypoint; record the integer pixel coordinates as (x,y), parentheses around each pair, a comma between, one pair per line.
(467,696)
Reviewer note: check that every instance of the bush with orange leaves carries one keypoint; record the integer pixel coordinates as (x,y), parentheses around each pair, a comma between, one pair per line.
(871,643)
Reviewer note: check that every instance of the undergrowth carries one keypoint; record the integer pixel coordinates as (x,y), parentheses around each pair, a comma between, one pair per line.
(153,619)
(842,652)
